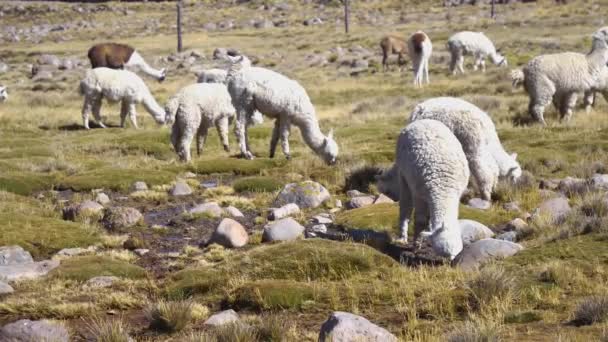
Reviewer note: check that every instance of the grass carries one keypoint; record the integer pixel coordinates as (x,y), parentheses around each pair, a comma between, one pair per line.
(257,184)
(108,330)
(86,267)
(169,317)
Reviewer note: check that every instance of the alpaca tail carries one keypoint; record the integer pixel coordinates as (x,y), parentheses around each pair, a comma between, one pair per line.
(171,109)
(517,77)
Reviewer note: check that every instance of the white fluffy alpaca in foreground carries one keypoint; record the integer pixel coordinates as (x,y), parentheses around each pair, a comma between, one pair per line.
(3,94)
(476,44)
(115,86)
(420,49)
(476,132)
(278,97)
(431,173)
(559,77)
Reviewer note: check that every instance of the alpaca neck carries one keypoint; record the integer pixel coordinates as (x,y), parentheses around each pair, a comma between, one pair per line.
(153,108)
(599,53)
(312,135)
(137,61)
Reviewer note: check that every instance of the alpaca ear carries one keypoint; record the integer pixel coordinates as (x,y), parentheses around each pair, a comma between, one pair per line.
(514,156)
(330,135)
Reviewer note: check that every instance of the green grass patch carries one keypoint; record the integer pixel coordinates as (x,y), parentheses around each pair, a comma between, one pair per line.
(273,295)
(86,267)
(257,184)
(25,183)
(381,217)
(235,165)
(115,179)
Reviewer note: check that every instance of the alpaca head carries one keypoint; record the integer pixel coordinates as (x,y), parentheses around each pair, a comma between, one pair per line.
(514,169)
(387,183)
(446,241)
(3,94)
(499,59)
(329,149)
(162,75)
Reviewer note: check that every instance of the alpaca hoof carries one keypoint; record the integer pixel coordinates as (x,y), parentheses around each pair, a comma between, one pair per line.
(401,241)
(247,155)
(226,148)
(288,156)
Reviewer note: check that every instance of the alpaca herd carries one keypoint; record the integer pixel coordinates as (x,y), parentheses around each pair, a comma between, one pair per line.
(447,144)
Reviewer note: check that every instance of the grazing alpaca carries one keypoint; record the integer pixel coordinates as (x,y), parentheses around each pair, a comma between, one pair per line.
(115,86)
(3,94)
(430,174)
(278,97)
(393,45)
(420,49)
(212,76)
(476,44)
(559,77)
(119,56)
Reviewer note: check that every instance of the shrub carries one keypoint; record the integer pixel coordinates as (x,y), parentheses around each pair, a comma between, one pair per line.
(489,286)
(257,184)
(476,330)
(169,316)
(591,310)
(107,330)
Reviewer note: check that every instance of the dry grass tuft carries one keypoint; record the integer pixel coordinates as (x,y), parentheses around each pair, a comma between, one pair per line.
(591,310)
(169,316)
(108,330)
(476,330)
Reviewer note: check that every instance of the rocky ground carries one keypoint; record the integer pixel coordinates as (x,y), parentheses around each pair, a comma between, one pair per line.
(105,236)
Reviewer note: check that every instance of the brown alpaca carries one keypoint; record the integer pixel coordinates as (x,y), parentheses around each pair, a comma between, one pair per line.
(119,56)
(420,49)
(393,45)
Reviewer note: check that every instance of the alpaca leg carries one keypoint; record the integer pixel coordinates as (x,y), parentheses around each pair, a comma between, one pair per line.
(240,128)
(589,101)
(417,73)
(461,64)
(537,110)
(133,115)
(222,129)
(426,71)
(483,65)
(124,111)
(384,61)
(284,129)
(405,208)
(201,137)
(476,63)
(453,63)
(275,138)
(97,111)
(567,105)
(86,109)
(421,217)
(482,175)
(181,137)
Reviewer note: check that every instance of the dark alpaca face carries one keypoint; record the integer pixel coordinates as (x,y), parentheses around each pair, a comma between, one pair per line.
(163,75)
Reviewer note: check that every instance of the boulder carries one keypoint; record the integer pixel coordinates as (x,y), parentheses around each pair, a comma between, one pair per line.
(117,218)
(508,236)
(223,317)
(234,212)
(180,189)
(14,255)
(141,251)
(478,203)
(84,209)
(5,288)
(382,198)
(322,219)
(570,186)
(599,182)
(347,327)
(29,270)
(29,331)
(472,231)
(482,251)
(211,209)
(360,202)
(517,225)
(284,211)
(102,198)
(555,208)
(286,229)
(139,186)
(101,281)
(307,194)
(354,193)
(230,233)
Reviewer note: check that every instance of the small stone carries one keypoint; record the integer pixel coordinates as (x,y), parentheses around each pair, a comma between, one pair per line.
(221,318)
(30,270)
(189,174)
(26,330)
(209,184)
(382,198)
(85,209)
(47,59)
(360,202)
(346,327)
(286,229)
(141,251)
(549,184)
(338,204)
(230,233)
(180,189)
(139,186)
(234,212)
(508,236)
(472,231)
(117,218)
(322,220)
(5,288)
(517,225)
(101,281)
(571,185)
(71,252)
(307,194)
(482,251)
(478,203)
(556,209)
(284,211)
(102,198)
(210,208)
(14,255)
(354,193)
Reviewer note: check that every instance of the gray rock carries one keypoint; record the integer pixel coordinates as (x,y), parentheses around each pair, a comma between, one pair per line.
(354,193)
(347,327)
(307,194)
(83,210)
(101,281)
(189,174)
(180,189)
(382,198)
(47,59)
(313,21)
(14,255)
(556,209)
(511,206)
(508,236)
(29,270)
(479,252)
(102,198)
(139,186)
(286,229)
(284,211)
(230,233)
(141,251)
(478,203)
(472,231)
(210,208)
(34,331)
(234,212)
(360,202)
(263,24)
(549,184)
(319,228)
(210,26)
(570,185)
(121,218)
(322,219)
(599,182)
(3,68)
(517,225)
(70,252)
(5,288)
(223,317)
(359,64)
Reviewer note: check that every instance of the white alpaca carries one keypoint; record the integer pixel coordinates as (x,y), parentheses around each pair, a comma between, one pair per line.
(3,94)
(476,44)
(278,97)
(193,110)
(212,76)
(430,173)
(477,134)
(420,49)
(114,86)
(559,77)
